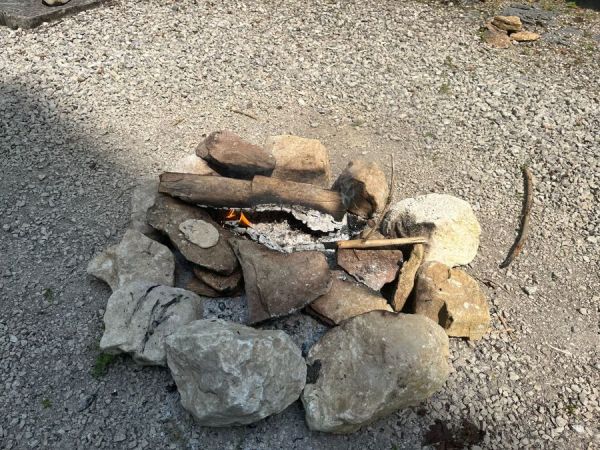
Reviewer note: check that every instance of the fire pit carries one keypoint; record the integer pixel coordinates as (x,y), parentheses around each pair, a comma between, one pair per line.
(258,230)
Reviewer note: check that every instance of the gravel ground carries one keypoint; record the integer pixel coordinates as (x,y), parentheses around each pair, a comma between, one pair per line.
(91,103)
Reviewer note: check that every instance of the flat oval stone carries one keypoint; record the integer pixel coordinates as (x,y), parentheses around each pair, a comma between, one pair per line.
(199,232)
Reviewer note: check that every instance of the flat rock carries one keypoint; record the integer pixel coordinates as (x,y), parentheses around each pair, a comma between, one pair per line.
(278,284)
(448,222)
(507,23)
(364,188)
(370,366)
(143,197)
(139,316)
(530,14)
(31,13)
(168,214)
(191,164)
(200,232)
(524,36)
(453,299)
(300,159)
(406,278)
(232,156)
(373,267)
(345,299)
(135,258)
(230,374)
(223,284)
(495,37)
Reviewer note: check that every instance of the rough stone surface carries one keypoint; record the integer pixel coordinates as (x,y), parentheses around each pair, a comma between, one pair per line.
(300,159)
(406,277)
(200,232)
(524,36)
(496,37)
(168,214)
(452,298)
(135,258)
(139,316)
(530,14)
(31,13)
(224,284)
(364,188)
(278,284)
(373,267)
(347,298)
(191,164)
(232,156)
(508,23)
(231,374)
(370,366)
(448,222)
(143,197)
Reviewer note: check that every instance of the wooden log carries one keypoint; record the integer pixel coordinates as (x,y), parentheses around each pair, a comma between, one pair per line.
(274,190)
(207,190)
(378,243)
(234,193)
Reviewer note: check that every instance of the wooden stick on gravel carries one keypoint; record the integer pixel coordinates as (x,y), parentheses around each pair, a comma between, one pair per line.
(387,204)
(378,243)
(524,230)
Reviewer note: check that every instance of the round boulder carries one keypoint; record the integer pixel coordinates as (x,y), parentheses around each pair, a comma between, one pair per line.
(370,366)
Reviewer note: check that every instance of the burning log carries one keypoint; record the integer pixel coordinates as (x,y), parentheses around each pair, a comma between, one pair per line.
(233,193)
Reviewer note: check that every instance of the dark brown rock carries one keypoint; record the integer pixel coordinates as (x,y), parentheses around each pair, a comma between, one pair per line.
(406,278)
(364,188)
(346,299)
(225,284)
(168,213)
(372,267)
(278,284)
(199,287)
(231,156)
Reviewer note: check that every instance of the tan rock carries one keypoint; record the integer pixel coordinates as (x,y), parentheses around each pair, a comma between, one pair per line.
(347,299)
(191,164)
(496,39)
(453,299)
(508,23)
(406,278)
(364,188)
(300,159)
(524,36)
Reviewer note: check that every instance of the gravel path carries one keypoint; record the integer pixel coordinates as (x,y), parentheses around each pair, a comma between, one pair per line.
(90,103)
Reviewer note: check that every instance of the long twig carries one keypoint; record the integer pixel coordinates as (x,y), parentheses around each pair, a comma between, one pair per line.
(387,203)
(524,230)
(378,243)
(243,113)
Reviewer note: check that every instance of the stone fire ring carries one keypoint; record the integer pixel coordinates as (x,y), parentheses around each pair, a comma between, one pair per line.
(31,13)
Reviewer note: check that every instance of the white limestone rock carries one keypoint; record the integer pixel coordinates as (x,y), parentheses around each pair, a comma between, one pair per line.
(231,374)
(135,258)
(448,222)
(139,317)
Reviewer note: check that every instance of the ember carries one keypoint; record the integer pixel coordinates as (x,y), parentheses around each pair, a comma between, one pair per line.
(233,215)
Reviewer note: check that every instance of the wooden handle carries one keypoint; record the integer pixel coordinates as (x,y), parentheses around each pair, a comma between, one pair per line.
(375,243)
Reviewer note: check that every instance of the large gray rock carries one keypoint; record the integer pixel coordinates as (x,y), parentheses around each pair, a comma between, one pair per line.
(135,258)
(139,317)
(231,374)
(448,222)
(370,366)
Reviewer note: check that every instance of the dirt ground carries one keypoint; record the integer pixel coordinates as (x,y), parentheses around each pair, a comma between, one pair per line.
(90,104)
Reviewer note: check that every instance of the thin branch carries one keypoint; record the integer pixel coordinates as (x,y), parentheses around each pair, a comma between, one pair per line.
(387,203)
(524,230)
(378,243)
(243,113)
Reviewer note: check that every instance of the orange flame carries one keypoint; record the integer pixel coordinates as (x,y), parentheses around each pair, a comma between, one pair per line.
(232,214)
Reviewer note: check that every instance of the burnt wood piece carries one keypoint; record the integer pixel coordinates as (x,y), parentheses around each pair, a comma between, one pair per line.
(233,193)
(231,156)
(278,284)
(168,213)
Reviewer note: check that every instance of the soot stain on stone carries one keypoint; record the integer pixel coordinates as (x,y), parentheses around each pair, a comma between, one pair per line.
(312,372)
